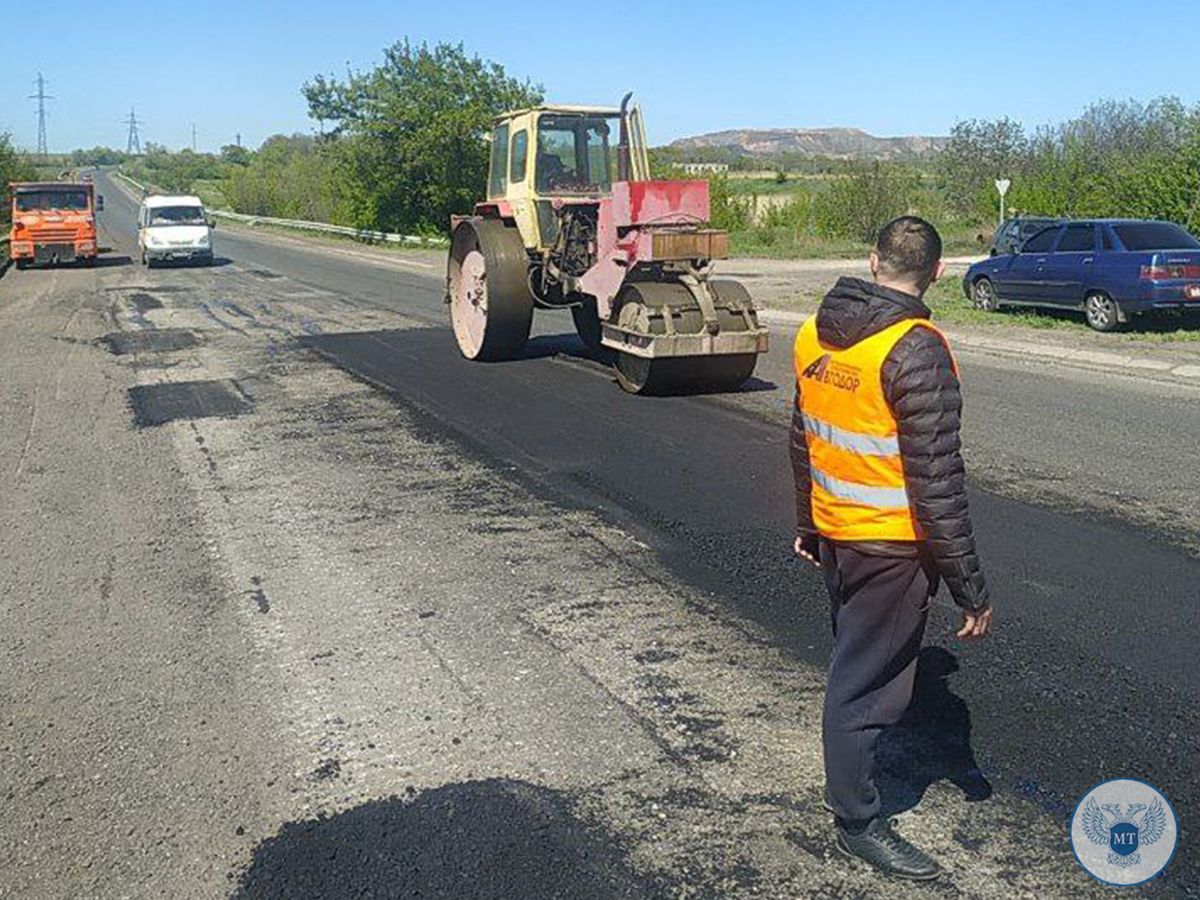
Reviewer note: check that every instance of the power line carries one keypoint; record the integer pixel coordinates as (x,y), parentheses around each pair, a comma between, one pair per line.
(41,97)
(133,144)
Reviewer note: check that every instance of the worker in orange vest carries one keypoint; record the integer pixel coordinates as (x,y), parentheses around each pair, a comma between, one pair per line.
(881,508)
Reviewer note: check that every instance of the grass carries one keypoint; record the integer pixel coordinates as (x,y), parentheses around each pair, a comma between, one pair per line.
(787,243)
(951,306)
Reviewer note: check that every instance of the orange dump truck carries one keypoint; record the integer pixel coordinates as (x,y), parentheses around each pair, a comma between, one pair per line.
(53,222)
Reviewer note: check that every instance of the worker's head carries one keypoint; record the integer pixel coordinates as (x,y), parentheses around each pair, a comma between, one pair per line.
(907,255)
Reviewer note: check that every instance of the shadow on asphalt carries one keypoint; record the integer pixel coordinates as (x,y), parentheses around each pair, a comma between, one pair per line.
(217,263)
(494,838)
(104,261)
(568,344)
(931,743)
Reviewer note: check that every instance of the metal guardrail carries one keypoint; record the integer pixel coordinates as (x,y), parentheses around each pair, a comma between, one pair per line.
(141,187)
(358,234)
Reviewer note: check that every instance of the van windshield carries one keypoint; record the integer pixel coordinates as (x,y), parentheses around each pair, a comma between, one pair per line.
(33,201)
(177,215)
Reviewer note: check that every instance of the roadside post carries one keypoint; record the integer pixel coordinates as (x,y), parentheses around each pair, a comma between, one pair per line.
(1002,185)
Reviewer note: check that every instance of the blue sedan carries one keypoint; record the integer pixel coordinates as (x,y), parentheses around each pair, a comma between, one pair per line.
(1110,269)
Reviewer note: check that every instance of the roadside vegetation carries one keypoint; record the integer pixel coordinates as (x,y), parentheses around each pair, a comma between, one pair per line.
(1118,158)
(13,167)
(400,147)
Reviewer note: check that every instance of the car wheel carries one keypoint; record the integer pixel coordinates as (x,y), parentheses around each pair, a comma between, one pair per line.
(983,295)
(1101,311)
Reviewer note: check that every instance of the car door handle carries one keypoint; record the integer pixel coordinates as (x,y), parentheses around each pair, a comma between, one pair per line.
(1088,260)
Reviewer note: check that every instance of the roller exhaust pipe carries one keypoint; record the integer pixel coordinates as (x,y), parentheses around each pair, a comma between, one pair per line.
(623,162)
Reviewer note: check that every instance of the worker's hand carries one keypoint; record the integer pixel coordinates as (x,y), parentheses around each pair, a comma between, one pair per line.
(975,624)
(808,548)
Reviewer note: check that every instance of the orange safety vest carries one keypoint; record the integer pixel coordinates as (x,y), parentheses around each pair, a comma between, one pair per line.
(858,490)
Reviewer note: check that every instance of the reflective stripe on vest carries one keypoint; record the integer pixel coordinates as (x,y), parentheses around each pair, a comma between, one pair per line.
(858,489)
(879,497)
(865,444)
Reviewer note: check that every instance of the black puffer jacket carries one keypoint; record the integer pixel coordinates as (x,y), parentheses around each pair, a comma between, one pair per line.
(923,393)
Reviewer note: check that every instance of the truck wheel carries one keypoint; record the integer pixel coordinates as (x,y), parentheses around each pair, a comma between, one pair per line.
(1101,311)
(487,286)
(22,264)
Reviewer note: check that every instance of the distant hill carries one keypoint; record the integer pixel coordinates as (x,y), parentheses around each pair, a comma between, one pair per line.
(846,143)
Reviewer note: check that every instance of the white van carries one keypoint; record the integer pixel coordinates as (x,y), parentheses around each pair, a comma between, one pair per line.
(174,228)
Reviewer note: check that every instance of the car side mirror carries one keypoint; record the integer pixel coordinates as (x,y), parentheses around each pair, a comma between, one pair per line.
(212,223)
(99,203)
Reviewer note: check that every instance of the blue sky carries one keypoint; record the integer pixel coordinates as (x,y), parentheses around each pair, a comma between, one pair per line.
(699,66)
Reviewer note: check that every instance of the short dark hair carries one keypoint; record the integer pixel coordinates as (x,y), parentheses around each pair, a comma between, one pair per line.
(909,249)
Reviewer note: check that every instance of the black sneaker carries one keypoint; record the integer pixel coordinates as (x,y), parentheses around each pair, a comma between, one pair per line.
(879,845)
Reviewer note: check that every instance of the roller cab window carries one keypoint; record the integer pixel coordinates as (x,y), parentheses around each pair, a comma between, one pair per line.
(574,155)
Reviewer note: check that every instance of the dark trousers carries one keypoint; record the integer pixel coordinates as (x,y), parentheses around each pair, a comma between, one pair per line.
(879,606)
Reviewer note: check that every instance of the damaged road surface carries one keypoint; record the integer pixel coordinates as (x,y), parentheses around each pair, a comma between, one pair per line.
(300,604)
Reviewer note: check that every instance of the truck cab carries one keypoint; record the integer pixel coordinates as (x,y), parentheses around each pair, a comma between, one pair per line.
(174,227)
(54,222)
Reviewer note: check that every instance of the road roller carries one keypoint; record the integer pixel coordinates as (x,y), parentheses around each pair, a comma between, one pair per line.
(572,221)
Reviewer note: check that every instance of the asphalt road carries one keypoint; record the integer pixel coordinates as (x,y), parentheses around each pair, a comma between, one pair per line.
(1091,673)
(707,478)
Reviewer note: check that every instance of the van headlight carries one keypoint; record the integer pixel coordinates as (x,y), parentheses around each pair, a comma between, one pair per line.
(153,241)
(202,241)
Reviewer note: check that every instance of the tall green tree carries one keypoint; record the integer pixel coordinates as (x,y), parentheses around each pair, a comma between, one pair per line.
(976,154)
(408,136)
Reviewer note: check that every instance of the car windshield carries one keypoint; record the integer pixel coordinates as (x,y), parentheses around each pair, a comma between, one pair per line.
(33,201)
(1155,236)
(177,215)
(573,154)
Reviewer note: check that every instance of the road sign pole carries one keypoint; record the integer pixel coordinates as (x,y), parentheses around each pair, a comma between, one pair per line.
(1002,186)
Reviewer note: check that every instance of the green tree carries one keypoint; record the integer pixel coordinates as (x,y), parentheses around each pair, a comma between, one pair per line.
(235,154)
(407,137)
(289,177)
(13,167)
(726,209)
(858,205)
(976,154)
